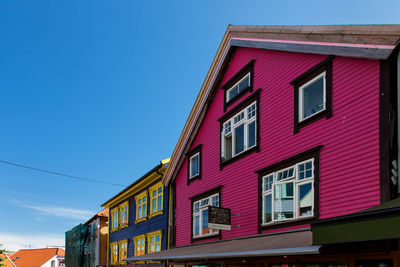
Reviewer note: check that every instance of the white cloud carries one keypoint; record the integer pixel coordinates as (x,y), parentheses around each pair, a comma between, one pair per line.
(62,211)
(15,242)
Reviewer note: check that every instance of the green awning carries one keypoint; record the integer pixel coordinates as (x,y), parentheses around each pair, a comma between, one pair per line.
(376,223)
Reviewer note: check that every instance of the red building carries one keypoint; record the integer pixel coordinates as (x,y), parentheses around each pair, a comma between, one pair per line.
(294,129)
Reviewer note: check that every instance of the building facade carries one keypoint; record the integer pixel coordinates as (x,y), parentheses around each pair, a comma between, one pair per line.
(138,219)
(293,127)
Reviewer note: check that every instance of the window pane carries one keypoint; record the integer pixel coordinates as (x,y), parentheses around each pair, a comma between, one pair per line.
(204,221)
(144,210)
(194,166)
(252,134)
(305,199)
(196,225)
(196,207)
(160,190)
(244,83)
(215,201)
(158,248)
(159,200)
(233,92)
(267,208)
(283,201)
(154,205)
(158,238)
(140,212)
(152,239)
(239,139)
(228,147)
(305,170)
(268,180)
(313,97)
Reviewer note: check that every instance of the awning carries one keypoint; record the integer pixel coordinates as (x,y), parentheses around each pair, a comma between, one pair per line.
(293,243)
(377,223)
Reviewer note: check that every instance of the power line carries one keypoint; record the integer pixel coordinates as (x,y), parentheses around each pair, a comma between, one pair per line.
(59,173)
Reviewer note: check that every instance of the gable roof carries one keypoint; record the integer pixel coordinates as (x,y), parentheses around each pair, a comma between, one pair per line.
(364,41)
(35,257)
(139,184)
(103,213)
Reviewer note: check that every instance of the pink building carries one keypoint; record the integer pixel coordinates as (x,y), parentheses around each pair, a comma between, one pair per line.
(294,129)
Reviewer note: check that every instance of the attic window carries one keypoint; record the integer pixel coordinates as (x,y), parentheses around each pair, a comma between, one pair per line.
(239,84)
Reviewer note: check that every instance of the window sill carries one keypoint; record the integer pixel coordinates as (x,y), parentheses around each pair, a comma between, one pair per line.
(160,212)
(315,117)
(205,236)
(115,229)
(123,226)
(287,223)
(238,156)
(194,178)
(140,220)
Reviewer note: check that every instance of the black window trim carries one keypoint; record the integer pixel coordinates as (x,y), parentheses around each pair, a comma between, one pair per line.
(323,66)
(253,97)
(248,68)
(195,150)
(310,153)
(215,190)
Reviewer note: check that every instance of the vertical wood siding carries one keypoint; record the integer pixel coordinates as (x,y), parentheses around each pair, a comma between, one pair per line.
(349,159)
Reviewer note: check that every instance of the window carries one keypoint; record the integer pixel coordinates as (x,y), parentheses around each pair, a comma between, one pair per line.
(115,219)
(53,264)
(114,253)
(139,245)
(288,189)
(154,241)
(288,193)
(123,251)
(156,199)
(200,216)
(312,97)
(238,85)
(239,133)
(123,214)
(194,164)
(313,94)
(141,207)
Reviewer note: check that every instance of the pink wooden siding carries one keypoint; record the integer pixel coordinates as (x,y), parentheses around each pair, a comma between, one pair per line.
(349,159)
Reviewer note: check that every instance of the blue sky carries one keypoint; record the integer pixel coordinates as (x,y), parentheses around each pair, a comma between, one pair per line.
(102,89)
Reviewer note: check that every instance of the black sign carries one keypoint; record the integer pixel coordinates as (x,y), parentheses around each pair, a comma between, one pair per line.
(219,218)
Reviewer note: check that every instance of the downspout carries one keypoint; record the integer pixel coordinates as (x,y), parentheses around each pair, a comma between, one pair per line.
(398,119)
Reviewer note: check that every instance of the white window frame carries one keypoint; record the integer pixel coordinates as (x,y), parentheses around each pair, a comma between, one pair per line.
(236,84)
(244,121)
(199,213)
(296,186)
(190,165)
(301,96)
